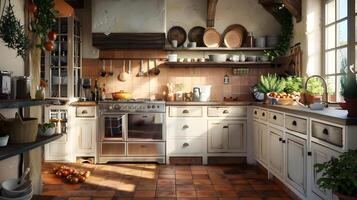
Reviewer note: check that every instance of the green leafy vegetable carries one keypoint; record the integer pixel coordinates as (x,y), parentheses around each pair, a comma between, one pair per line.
(315,87)
(271,83)
(293,84)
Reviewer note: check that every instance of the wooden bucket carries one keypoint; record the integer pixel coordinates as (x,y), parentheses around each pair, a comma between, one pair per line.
(20,130)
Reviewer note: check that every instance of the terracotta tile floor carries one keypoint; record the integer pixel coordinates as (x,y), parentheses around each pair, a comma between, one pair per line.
(166,182)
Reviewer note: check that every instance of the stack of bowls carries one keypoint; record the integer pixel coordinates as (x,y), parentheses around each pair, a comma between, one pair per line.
(12,190)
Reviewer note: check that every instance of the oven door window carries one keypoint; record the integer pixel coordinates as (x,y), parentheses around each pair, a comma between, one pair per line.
(147,126)
(114,127)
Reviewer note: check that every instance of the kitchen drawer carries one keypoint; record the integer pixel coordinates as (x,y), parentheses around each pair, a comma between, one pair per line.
(192,111)
(296,124)
(181,127)
(276,118)
(231,111)
(112,149)
(185,146)
(85,111)
(327,133)
(256,113)
(263,115)
(146,149)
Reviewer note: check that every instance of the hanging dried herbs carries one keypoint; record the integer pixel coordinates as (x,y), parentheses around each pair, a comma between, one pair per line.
(285,19)
(12,31)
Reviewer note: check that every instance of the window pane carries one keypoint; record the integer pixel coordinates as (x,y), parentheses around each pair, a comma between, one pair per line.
(330,37)
(341,59)
(341,9)
(330,62)
(331,88)
(342,33)
(339,97)
(330,12)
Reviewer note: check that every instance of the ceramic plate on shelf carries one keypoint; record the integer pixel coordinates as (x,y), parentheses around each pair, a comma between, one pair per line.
(234,36)
(177,33)
(211,38)
(196,35)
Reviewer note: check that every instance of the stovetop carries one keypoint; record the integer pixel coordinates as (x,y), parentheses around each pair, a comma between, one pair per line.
(132,105)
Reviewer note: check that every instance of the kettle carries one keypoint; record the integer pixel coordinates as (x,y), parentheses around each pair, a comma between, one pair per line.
(196,94)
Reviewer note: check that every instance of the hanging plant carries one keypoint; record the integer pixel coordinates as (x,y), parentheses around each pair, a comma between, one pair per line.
(43,20)
(12,31)
(285,19)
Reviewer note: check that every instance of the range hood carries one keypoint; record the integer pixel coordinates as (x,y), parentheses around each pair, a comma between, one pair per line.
(128,24)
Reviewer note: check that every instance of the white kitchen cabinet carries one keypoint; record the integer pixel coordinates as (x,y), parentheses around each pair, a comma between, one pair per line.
(296,162)
(226,136)
(276,151)
(256,139)
(264,143)
(85,137)
(320,154)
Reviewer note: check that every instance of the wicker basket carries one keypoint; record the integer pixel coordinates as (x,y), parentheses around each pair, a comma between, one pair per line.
(20,130)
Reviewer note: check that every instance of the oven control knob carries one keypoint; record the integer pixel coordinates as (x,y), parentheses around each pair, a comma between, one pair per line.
(110,107)
(131,107)
(149,106)
(116,107)
(153,106)
(142,107)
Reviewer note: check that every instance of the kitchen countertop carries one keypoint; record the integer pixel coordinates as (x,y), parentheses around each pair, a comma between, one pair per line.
(334,115)
(210,103)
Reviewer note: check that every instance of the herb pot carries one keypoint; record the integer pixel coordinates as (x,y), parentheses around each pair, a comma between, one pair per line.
(310,99)
(351,107)
(344,197)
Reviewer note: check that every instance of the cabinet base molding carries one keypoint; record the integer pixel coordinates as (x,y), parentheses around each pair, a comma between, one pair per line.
(286,189)
(225,160)
(178,160)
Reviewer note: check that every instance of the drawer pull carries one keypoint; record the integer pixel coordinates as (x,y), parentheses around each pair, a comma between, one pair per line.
(185,111)
(185,144)
(225,126)
(283,141)
(225,112)
(325,131)
(274,117)
(185,127)
(280,139)
(255,112)
(263,114)
(84,112)
(294,123)
(309,153)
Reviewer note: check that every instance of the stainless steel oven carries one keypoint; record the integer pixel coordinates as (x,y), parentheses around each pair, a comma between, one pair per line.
(145,126)
(113,126)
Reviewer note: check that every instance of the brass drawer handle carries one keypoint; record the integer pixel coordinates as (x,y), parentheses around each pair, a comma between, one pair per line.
(185,144)
(185,111)
(185,127)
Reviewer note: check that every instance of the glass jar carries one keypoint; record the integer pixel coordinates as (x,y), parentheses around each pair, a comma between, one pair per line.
(40,93)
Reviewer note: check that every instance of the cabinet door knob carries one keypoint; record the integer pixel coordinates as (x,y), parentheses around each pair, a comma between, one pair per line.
(284,141)
(309,153)
(274,117)
(280,139)
(185,144)
(263,114)
(225,112)
(185,127)
(255,112)
(185,111)
(294,123)
(325,131)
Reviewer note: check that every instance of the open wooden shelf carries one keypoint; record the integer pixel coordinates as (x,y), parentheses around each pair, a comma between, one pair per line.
(218,49)
(221,64)
(15,149)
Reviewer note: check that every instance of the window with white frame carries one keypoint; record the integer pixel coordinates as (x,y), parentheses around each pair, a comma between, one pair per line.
(340,47)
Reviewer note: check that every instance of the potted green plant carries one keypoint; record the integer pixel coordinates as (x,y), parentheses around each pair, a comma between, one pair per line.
(349,91)
(313,91)
(46,129)
(271,84)
(340,175)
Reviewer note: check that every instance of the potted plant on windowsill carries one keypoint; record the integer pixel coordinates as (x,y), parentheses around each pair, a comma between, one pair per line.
(313,91)
(340,175)
(349,91)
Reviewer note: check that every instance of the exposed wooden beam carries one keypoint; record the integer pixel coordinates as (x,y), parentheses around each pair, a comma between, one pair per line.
(76,4)
(211,12)
(294,6)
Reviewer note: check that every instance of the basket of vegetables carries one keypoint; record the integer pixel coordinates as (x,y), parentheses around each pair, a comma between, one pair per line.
(46,129)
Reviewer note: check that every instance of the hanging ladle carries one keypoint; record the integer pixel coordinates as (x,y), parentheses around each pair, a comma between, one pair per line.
(141,73)
(110,73)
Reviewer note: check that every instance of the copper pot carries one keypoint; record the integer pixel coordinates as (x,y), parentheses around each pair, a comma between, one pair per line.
(121,95)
